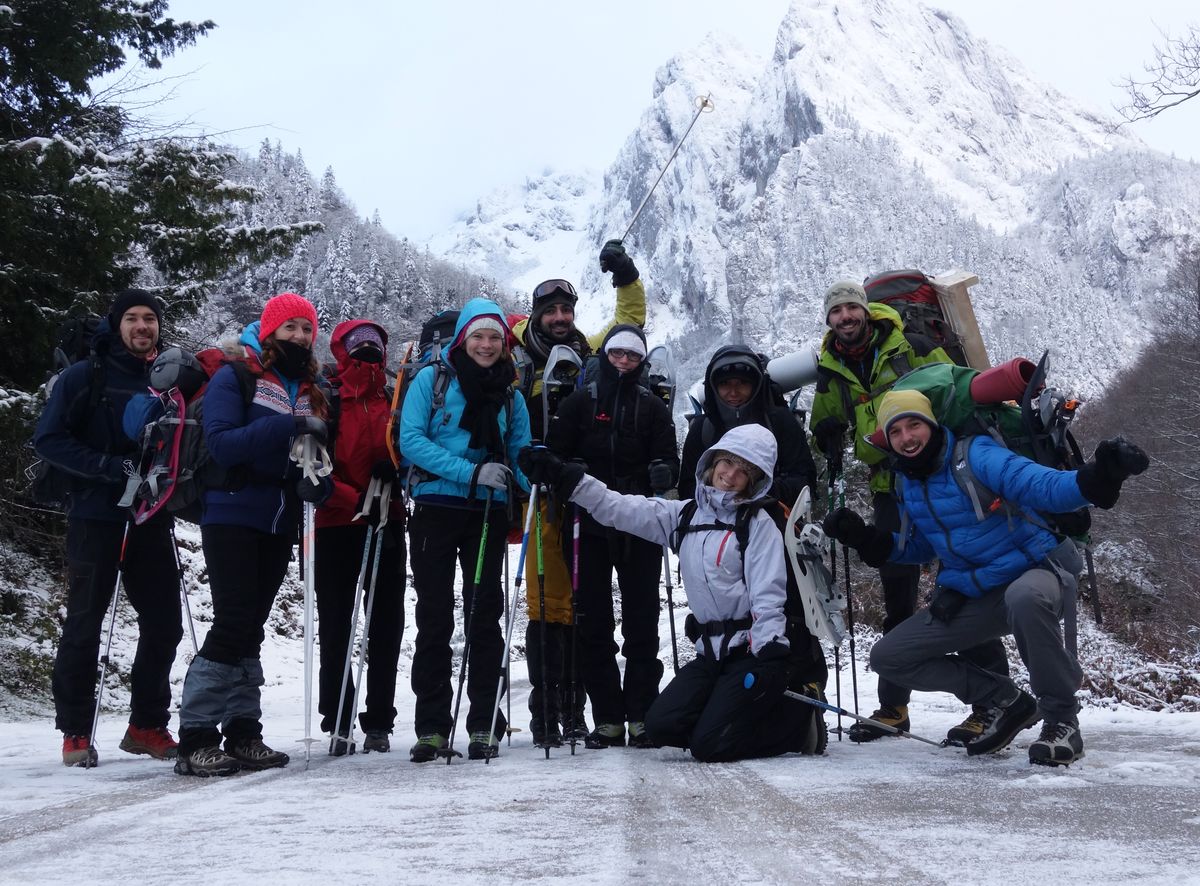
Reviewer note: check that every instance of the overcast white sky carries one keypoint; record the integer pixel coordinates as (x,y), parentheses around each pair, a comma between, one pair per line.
(421,108)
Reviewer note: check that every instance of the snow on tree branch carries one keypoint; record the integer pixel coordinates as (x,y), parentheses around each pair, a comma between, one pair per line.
(1174,78)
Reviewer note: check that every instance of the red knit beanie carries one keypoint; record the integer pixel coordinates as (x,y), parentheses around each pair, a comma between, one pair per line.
(282,308)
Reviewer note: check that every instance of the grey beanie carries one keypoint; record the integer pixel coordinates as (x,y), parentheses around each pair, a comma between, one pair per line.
(845,292)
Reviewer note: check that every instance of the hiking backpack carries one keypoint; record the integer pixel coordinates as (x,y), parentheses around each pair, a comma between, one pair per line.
(1038,428)
(49,485)
(912,295)
(436,334)
(174,467)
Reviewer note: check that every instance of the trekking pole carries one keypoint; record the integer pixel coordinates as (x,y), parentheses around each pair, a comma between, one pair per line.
(703,104)
(841,489)
(574,621)
(187,606)
(385,504)
(1097,611)
(670,604)
(448,752)
(541,577)
(512,617)
(505,673)
(750,679)
(837,657)
(104,659)
(372,493)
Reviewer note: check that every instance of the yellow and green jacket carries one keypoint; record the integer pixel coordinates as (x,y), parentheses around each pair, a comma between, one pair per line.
(840,393)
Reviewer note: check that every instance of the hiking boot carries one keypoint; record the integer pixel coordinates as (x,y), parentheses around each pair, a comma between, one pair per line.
(543,738)
(377,740)
(340,746)
(483,745)
(1003,724)
(427,747)
(969,729)
(638,737)
(207,762)
(254,755)
(1059,744)
(575,728)
(896,717)
(606,735)
(78,751)
(156,742)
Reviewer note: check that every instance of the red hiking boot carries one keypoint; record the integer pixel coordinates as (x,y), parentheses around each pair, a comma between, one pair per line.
(78,751)
(156,742)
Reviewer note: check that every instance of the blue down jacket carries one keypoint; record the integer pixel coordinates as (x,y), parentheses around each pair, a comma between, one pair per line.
(979,556)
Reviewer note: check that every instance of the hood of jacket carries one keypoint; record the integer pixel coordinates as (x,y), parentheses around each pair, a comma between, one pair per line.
(754,409)
(358,377)
(756,445)
(472,311)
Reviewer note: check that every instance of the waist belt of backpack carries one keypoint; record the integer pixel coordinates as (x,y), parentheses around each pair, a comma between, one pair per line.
(723,629)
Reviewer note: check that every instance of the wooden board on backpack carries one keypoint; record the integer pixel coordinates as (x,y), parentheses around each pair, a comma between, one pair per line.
(954,297)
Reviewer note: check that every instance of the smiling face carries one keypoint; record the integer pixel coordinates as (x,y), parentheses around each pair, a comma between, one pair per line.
(558,321)
(297,330)
(730,477)
(139,331)
(848,322)
(624,360)
(484,346)
(908,435)
(735,392)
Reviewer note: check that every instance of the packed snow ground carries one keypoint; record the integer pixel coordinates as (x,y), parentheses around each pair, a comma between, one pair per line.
(892,811)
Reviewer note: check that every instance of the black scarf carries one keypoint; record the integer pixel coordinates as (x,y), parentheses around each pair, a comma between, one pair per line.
(925,462)
(292,360)
(486,391)
(539,345)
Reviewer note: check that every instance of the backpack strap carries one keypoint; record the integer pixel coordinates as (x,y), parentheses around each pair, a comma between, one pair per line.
(683,527)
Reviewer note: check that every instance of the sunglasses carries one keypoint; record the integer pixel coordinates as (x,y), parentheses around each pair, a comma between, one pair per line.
(550,287)
(622,354)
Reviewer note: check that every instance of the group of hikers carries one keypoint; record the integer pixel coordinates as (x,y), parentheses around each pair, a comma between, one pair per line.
(482,446)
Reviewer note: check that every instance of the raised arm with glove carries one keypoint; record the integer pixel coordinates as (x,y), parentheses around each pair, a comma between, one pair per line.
(1114,462)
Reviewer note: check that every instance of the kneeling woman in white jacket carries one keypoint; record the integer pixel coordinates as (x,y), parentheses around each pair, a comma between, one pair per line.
(736,597)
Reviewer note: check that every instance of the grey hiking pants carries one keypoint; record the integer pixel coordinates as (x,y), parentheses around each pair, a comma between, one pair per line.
(920,652)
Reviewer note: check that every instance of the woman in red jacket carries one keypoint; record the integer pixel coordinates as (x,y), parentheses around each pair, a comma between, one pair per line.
(359,452)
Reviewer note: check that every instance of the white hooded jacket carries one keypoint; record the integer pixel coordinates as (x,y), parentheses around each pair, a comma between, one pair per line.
(718,588)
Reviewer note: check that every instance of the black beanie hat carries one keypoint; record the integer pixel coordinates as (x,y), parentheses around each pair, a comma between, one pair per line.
(132,298)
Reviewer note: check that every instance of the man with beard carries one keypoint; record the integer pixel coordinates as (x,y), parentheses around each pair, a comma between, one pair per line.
(862,356)
(552,322)
(79,434)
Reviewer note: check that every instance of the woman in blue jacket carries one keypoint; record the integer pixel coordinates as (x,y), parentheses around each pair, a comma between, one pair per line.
(1001,573)
(461,428)
(253,413)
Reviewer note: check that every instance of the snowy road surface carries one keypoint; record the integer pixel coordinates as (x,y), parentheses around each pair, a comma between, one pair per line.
(894,811)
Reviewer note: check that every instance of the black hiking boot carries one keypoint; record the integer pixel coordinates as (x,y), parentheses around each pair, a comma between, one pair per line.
(206,763)
(377,740)
(606,735)
(896,717)
(254,755)
(638,738)
(1003,724)
(545,738)
(484,746)
(969,729)
(341,746)
(1059,744)
(814,735)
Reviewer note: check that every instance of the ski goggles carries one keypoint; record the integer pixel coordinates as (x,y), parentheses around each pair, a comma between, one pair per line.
(549,288)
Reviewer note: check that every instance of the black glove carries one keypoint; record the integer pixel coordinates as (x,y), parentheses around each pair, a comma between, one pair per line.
(830,434)
(614,258)
(1115,461)
(874,545)
(770,672)
(945,604)
(540,465)
(662,477)
(384,470)
(313,427)
(315,493)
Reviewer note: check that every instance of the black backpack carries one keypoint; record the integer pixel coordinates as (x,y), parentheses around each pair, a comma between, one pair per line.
(74,344)
(912,295)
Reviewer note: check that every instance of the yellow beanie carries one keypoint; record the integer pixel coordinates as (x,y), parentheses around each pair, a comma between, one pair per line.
(903,404)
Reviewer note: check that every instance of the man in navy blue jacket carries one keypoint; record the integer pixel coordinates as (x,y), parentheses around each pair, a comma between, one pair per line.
(1002,573)
(79,433)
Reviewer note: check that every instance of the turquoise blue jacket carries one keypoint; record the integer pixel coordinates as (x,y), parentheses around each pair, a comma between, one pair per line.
(979,556)
(431,438)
